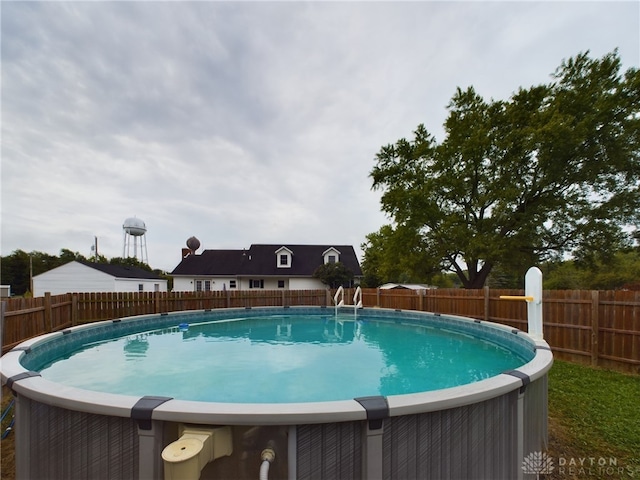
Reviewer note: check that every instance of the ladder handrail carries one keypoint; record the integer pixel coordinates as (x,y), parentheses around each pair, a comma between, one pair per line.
(357,303)
(358,294)
(339,293)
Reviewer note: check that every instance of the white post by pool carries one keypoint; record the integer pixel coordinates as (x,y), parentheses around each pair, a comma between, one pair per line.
(533,290)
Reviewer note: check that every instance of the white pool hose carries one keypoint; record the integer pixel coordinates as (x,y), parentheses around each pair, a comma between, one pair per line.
(267,456)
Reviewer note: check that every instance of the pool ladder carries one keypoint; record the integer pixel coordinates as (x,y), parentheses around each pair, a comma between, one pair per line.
(357,299)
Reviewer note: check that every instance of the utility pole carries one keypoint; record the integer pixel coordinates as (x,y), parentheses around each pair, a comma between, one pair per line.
(94,249)
(31,274)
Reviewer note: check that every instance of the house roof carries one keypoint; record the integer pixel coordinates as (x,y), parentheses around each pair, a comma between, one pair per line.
(261,260)
(122,271)
(406,286)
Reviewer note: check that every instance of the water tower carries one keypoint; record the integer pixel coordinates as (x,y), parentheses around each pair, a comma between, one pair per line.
(193,244)
(135,234)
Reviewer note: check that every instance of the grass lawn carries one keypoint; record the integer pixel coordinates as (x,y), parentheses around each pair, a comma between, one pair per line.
(593,414)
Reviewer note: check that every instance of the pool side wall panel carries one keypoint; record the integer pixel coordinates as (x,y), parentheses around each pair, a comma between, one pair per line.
(471,442)
(536,414)
(75,445)
(329,451)
(476,441)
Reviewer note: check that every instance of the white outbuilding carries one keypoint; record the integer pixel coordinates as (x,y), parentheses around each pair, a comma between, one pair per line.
(81,277)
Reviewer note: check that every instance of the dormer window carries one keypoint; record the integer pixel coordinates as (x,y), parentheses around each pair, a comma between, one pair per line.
(284,257)
(331,255)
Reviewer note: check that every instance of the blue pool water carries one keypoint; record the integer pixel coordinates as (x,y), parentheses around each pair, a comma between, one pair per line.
(283,358)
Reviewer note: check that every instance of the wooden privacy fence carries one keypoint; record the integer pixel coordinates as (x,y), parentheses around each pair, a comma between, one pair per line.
(24,318)
(597,327)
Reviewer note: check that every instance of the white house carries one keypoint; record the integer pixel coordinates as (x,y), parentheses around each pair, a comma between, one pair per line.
(270,267)
(80,277)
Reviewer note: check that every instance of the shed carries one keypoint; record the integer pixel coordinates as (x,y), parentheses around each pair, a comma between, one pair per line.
(80,277)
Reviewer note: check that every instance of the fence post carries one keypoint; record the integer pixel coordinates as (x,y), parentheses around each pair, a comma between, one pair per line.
(74,310)
(47,312)
(378,297)
(3,308)
(595,326)
(486,303)
(421,300)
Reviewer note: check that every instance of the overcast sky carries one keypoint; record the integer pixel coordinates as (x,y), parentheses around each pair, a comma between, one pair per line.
(245,123)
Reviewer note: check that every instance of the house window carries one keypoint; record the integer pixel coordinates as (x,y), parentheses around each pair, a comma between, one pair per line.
(198,285)
(156,287)
(283,257)
(280,283)
(331,255)
(256,283)
(207,285)
(232,284)
(141,287)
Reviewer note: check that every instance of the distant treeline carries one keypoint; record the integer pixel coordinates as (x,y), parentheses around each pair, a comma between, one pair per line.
(619,270)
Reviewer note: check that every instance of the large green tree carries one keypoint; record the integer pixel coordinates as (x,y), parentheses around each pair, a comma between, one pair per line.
(553,170)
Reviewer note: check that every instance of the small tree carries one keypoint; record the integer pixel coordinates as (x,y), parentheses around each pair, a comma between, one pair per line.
(395,255)
(334,275)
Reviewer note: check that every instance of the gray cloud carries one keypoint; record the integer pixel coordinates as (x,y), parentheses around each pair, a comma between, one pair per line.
(248,122)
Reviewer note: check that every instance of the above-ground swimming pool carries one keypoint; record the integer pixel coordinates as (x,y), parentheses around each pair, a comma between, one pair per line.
(281,359)
(369,394)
